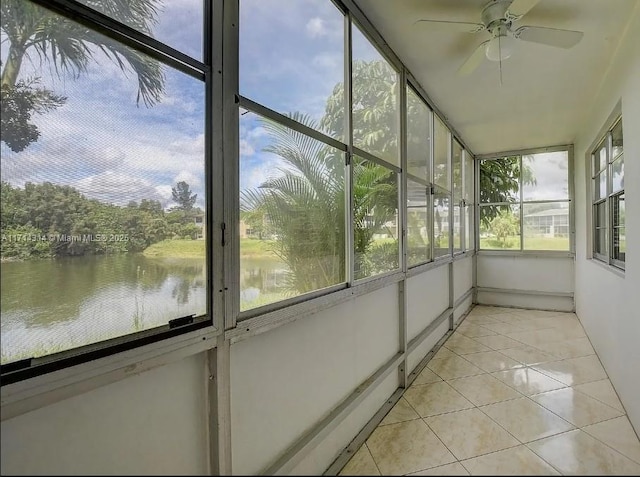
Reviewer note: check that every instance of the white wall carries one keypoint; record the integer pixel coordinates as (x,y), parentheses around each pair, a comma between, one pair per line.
(607,304)
(521,276)
(284,381)
(152,423)
(427,298)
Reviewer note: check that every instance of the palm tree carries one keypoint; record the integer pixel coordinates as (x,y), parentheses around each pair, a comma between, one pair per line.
(37,33)
(303,203)
(69,46)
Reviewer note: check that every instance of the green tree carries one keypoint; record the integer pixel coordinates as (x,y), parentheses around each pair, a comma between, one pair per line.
(505,225)
(182,195)
(68,47)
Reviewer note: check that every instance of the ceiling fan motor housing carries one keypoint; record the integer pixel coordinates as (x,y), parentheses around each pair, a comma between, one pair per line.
(494,14)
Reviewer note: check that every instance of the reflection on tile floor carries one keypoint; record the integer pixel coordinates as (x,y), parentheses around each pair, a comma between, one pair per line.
(511,392)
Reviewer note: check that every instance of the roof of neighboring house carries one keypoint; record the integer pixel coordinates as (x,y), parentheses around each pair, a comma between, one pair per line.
(548,212)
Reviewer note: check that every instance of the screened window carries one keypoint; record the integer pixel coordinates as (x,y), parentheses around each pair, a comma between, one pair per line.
(608,198)
(292,235)
(418,224)
(458,192)
(104,195)
(375,215)
(295,67)
(469,228)
(441,154)
(441,223)
(375,109)
(418,136)
(539,185)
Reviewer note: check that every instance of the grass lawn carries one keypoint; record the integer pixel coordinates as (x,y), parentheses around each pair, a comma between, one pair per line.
(195,249)
(530,243)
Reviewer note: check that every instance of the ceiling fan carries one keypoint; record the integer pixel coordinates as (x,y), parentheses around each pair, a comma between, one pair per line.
(498,17)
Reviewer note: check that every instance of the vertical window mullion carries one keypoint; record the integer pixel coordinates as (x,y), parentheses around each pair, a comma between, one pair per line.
(349,214)
(521,186)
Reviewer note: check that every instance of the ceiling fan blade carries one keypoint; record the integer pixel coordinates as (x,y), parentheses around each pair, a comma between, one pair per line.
(549,36)
(465,27)
(519,8)
(474,60)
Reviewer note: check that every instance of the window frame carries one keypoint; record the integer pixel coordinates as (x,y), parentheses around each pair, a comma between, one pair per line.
(104,361)
(181,329)
(520,202)
(607,202)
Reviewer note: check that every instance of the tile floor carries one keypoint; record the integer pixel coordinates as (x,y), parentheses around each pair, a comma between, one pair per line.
(511,392)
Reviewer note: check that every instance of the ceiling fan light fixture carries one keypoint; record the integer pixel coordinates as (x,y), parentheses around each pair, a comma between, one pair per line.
(500,47)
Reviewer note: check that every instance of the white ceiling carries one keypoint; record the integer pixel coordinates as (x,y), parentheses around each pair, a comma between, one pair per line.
(546,92)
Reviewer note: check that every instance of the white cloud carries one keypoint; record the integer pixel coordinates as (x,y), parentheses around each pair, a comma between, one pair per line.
(190,178)
(316,28)
(116,188)
(246,149)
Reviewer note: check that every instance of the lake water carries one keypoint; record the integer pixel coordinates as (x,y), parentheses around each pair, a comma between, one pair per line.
(53,305)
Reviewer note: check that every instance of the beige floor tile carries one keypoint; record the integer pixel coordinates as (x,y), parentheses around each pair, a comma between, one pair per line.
(574,370)
(515,461)
(498,342)
(489,310)
(526,420)
(483,389)
(444,353)
(427,376)
(449,469)
(538,313)
(574,348)
(577,453)
(435,398)
(618,434)
(470,433)
(528,381)
(473,331)
(602,391)
(460,344)
(505,328)
(401,412)
(491,361)
(480,319)
(360,464)
(405,447)
(577,408)
(453,367)
(528,355)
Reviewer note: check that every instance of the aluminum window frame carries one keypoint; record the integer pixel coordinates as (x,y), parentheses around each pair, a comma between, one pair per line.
(521,202)
(210,324)
(605,140)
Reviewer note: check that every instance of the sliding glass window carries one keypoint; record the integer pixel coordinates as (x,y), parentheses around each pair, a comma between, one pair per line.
(608,198)
(105,196)
(419,223)
(524,202)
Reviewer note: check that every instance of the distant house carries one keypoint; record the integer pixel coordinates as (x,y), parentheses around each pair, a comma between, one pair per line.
(548,223)
(198,219)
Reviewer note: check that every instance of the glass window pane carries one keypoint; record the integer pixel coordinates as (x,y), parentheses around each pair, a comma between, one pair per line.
(545,176)
(292,213)
(376,111)
(457,170)
(617,140)
(441,231)
(500,180)
(418,136)
(600,158)
(457,228)
(375,228)
(617,174)
(468,178)
(109,192)
(418,224)
(441,154)
(600,221)
(619,245)
(178,24)
(469,228)
(499,227)
(546,226)
(600,186)
(295,67)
